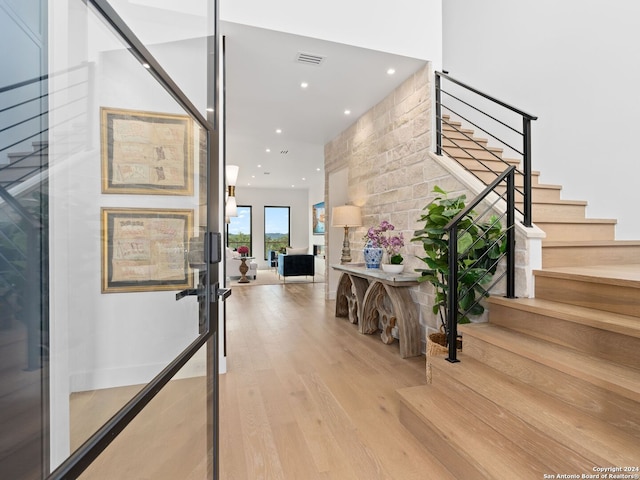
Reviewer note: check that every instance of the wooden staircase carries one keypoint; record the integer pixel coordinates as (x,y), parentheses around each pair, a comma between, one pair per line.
(551,384)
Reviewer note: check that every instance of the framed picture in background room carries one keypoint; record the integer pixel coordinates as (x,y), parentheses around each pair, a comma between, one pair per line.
(317,212)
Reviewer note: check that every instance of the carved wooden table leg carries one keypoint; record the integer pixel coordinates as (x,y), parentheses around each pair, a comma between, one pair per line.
(342,294)
(369,310)
(359,289)
(406,314)
(388,321)
(403,311)
(352,301)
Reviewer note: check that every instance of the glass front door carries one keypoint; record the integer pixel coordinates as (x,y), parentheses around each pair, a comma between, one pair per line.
(107,257)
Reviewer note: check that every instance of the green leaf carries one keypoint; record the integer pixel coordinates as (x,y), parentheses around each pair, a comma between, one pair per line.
(464,242)
(396,259)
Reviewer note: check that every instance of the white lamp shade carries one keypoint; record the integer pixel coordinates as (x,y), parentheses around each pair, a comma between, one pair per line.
(231,173)
(346,216)
(231,208)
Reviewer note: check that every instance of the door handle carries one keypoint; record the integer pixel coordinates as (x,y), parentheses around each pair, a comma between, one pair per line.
(188,292)
(222,293)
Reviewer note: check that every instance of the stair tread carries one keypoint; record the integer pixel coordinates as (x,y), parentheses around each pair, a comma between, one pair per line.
(609,321)
(621,380)
(472,145)
(596,439)
(590,243)
(581,203)
(575,220)
(477,167)
(626,275)
(473,439)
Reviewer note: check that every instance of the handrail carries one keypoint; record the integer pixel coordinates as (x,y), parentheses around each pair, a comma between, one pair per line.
(487,96)
(452,280)
(524,133)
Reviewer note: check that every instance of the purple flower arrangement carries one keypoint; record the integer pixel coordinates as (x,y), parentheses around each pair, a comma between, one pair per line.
(379,237)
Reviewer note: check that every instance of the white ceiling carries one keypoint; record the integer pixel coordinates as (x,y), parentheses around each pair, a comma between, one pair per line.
(263,94)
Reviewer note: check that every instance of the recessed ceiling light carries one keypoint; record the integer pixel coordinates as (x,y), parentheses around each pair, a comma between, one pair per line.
(391,71)
(278,130)
(304,85)
(259,166)
(268,150)
(253,176)
(293,186)
(248,184)
(318,169)
(347,112)
(303,178)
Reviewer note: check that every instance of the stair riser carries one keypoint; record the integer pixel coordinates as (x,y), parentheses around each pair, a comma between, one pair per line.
(575,232)
(538,194)
(490,165)
(434,442)
(460,141)
(589,255)
(543,413)
(463,134)
(488,177)
(470,443)
(610,298)
(472,153)
(613,407)
(557,211)
(610,346)
(559,452)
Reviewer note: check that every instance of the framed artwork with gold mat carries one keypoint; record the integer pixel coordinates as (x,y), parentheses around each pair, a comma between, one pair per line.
(145,249)
(146,152)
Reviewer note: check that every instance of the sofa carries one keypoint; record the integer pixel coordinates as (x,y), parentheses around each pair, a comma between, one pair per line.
(292,265)
(233,266)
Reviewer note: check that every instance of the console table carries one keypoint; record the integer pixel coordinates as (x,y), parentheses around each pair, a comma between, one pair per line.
(361,297)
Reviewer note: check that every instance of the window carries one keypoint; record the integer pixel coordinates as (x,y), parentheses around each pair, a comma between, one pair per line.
(276,229)
(239,229)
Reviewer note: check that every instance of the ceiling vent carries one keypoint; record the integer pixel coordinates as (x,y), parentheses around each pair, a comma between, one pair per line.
(284,152)
(310,59)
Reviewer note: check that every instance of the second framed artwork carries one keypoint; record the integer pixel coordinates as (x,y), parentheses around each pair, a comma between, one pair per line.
(318,216)
(146,152)
(145,249)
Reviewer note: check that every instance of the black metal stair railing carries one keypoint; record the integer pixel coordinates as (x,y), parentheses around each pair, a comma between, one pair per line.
(494,267)
(24,160)
(24,121)
(461,101)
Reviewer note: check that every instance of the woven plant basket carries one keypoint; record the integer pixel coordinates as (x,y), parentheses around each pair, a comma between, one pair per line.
(436,346)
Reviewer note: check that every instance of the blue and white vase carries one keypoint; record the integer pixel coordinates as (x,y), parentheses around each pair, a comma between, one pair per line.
(372,256)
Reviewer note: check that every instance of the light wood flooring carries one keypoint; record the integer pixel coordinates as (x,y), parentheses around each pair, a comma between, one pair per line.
(308,397)
(305,397)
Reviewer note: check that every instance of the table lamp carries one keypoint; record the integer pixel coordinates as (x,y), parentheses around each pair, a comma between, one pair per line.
(346,216)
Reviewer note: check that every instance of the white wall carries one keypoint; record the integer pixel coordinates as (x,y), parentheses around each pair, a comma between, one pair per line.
(316,195)
(338,189)
(575,65)
(404,27)
(300,215)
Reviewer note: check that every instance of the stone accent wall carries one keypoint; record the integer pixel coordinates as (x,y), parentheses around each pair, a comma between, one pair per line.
(391,173)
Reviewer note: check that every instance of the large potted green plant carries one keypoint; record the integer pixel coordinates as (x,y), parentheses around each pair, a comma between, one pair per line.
(480,245)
